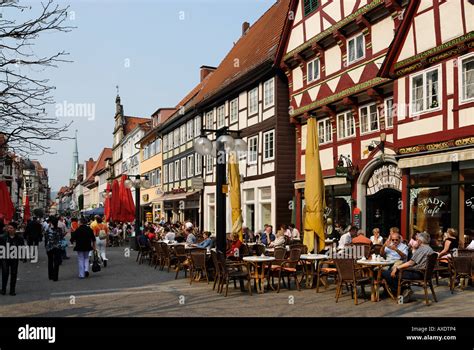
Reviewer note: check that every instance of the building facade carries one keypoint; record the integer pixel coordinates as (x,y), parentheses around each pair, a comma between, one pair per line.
(332,58)
(432,64)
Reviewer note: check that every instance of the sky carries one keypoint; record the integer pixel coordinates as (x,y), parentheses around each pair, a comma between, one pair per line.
(151,49)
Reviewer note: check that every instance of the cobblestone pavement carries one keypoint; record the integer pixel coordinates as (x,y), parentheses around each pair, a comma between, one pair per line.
(125,288)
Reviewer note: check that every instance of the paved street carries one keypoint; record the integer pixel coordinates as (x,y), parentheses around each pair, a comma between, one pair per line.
(125,288)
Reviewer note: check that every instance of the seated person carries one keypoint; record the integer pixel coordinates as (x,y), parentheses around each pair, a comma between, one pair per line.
(295,234)
(169,235)
(376,238)
(347,237)
(150,233)
(418,262)
(207,242)
(279,242)
(267,236)
(360,238)
(190,237)
(394,249)
(450,242)
(233,251)
(247,234)
(143,240)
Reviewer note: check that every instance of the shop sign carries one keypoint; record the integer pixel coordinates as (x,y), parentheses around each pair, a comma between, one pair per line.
(178,190)
(197,183)
(437,146)
(145,197)
(149,216)
(387,176)
(470,203)
(431,206)
(357,217)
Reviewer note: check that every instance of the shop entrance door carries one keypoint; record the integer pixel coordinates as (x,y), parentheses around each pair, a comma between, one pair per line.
(383,211)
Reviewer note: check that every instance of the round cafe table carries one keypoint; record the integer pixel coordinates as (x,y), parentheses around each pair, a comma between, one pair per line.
(376,267)
(312,259)
(258,273)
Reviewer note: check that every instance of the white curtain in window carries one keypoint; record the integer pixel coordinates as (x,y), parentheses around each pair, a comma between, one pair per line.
(468,78)
(417,93)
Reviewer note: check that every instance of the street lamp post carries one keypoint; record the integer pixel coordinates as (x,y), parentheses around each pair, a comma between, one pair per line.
(225,143)
(137,183)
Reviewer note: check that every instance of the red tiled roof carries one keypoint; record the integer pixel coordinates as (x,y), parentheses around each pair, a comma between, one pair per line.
(132,122)
(192,93)
(100,164)
(257,46)
(89,166)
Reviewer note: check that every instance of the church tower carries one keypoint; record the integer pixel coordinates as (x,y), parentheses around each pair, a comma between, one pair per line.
(75,162)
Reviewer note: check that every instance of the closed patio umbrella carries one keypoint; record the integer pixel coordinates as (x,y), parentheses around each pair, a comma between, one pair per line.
(107,204)
(127,207)
(314,192)
(27,212)
(235,198)
(115,202)
(6,205)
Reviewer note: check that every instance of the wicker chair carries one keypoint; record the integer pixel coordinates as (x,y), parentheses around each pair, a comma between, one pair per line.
(244,250)
(360,249)
(232,271)
(288,268)
(425,282)
(181,260)
(218,273)
(279,254)
(302,247)
(259,249)
(462,268)
(348,274)
(156,258)
(144,252)
(325,269)
(198,265)
(167,258)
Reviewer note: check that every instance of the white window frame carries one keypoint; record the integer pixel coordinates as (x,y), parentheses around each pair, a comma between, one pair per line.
(269,93)
(209,165)
(210,120)
(191,166)
(462,99)
(348,117)
(440,90)
(165,143)
(220,116)
(354,38)
(197,164)
(386,111)
(182,134)
(189,130)
(252,157)
(311,69)
(152,177)
(327,137)
(265,144)
(234,107)
(171,172)
(261,202)
(197,126)
(176,138)
(176,171)
(183,169)
(369,130)
(253,101)
(158,176)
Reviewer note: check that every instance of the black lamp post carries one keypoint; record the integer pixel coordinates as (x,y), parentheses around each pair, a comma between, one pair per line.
(137,183)
(225,143)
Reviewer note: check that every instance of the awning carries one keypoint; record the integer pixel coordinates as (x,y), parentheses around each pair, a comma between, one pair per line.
(178,196)
(436,158)
(329,181)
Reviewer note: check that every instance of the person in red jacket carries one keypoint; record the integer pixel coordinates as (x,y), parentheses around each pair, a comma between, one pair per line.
(233,251)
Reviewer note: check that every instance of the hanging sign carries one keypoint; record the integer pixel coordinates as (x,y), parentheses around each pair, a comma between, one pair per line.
(357,217)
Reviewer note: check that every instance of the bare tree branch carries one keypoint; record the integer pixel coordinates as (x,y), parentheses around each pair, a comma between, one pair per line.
(23,96)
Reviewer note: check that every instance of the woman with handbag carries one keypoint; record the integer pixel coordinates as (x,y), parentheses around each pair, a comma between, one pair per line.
(52,242)
(101,232)
(84,240)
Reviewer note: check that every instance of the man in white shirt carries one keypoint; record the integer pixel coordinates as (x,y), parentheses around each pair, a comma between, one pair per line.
(346,238)
(394,249)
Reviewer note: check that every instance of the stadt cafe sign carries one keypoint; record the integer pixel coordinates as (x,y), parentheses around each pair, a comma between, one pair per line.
(388,176)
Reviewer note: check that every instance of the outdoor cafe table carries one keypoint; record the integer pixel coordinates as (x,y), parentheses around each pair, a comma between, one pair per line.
(312,258)
(259,269)
(376,276)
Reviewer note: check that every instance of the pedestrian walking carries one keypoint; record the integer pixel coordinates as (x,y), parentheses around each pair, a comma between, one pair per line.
(10,265)
(101,232)
(85,241)
(52,243)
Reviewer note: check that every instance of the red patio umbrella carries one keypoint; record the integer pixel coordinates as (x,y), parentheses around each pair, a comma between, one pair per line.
(27,212)
(107,205)
(6,206)
(127,207)
(115,202)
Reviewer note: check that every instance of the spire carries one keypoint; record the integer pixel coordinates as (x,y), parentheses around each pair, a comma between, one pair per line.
(75,161)
(118,104)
